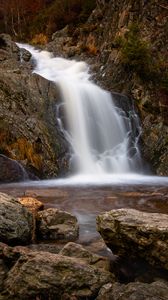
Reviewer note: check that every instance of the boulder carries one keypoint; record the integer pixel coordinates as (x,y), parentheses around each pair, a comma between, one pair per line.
(55,224)
(129,232)
(11,170)
(42,275)
(32,204)
(134,291)
(16,222)
(78,251)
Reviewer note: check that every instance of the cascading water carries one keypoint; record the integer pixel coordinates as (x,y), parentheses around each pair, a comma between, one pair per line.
(98,132)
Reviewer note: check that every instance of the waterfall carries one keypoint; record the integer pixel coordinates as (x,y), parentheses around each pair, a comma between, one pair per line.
(98,132)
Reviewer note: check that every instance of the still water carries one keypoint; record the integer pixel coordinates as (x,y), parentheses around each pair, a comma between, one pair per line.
(86,198)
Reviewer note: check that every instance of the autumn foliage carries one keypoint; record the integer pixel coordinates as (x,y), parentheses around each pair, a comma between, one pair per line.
(25,19)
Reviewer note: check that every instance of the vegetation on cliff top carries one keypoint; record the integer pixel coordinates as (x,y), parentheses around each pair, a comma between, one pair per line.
(24,19)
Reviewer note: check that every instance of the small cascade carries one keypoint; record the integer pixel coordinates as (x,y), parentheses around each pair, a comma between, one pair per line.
(102,137)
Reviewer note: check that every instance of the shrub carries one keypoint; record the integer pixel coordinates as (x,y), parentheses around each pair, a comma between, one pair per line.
(136,53)
(39,39)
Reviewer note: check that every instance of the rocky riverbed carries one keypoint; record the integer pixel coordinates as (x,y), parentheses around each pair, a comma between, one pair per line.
(41,256)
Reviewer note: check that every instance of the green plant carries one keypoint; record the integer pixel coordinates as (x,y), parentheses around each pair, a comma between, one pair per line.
(137,56)
(136,53)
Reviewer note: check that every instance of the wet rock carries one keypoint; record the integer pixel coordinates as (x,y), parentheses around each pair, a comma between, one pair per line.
(32,204)
(56,224)
(137,234)
(51,276)
(15,221)
(25,55)
(76,250)
(134,291)
(11,170)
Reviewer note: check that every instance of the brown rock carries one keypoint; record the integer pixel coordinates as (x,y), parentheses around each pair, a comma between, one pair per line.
(25,96)
(134,291)
(139,234)
(51,276)
(32,204)
(56,224)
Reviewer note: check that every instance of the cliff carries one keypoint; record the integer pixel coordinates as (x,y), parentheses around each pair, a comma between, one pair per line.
(28,129)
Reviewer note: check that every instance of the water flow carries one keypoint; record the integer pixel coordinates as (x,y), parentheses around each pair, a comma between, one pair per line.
(98,132)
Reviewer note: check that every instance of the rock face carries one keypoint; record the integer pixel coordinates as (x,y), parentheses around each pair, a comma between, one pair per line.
(28,128)
(51,276)
(56,224)
(134,290)
(134,233)
(16,221)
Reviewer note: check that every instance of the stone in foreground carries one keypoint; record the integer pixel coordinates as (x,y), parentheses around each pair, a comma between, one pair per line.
(78,251)
(15,221)
(134,291)
(54,224)
(129,232)
(46,276)
(32,204)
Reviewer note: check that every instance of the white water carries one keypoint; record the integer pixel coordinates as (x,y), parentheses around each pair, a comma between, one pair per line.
(98,134)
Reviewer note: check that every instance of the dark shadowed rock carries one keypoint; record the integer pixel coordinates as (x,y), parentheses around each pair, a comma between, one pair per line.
(129,232)
(56,224)
(25,55)
(50,276)
(9,255)
(15,221)
(3,272)
(11,170)
(134,291)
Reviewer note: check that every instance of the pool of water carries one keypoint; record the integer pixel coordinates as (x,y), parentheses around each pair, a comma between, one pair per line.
(86,197)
